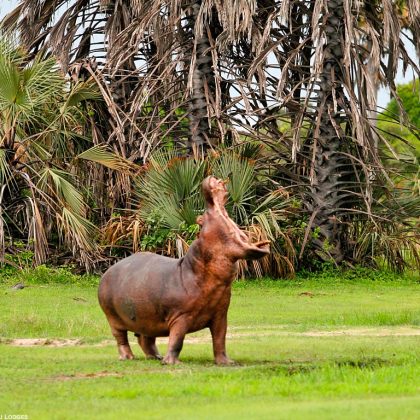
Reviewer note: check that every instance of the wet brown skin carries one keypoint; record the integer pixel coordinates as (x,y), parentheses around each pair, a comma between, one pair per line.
(156,296)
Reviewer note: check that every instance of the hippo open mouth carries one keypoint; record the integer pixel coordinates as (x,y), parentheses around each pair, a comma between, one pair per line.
(216,195)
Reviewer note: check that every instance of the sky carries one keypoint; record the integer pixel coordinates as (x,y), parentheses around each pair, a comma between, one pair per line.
(383,95)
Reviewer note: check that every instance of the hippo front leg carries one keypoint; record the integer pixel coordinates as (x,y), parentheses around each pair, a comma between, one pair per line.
(218,328)
(176,341)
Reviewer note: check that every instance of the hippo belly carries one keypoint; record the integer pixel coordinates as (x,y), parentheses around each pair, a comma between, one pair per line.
(138,292)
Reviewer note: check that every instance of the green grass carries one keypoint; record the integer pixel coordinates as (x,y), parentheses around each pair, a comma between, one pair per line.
(285,367)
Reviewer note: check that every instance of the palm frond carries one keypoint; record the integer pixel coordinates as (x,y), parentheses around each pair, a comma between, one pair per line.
(83,91)
(241,186)
(10,49)
(5,171)
(102,155)
(9,84)
(78,231)
(171,187)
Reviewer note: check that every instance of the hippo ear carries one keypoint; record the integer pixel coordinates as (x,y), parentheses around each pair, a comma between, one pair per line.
(257,250)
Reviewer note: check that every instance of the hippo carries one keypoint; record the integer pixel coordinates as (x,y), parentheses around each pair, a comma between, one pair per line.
(156,296)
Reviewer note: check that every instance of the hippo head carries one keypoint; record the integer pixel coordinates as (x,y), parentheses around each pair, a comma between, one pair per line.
(219,233)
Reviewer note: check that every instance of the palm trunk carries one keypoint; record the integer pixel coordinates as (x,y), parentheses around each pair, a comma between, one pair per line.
(202,87)
(328,164)
(373,74)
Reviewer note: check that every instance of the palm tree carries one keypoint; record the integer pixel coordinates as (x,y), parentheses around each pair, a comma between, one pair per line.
(342,154)
(327,84)
(45,176)
(158,62)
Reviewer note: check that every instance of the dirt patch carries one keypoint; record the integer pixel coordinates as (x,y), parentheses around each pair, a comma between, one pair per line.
(404,331)
(86,376)
(31,342)
(401,331)
(309,294)
(372,332)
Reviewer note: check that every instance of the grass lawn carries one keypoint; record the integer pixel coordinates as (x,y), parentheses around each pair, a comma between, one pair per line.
(308,348)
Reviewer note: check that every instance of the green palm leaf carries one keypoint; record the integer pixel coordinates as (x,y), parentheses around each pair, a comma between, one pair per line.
(171,188)
(83,91)
(101,154)
(64,189)
(241,186)
(5,172)
(81,230)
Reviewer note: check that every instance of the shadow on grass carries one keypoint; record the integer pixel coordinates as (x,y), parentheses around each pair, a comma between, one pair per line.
(291,367)
(364,363)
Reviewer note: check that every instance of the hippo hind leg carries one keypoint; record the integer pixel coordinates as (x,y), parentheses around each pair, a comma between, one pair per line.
(148,345)
(123,345)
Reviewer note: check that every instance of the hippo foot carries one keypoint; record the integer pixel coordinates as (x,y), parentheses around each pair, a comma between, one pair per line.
(127,357)
(170,360)
(224,361)
(125,352)
(154,357)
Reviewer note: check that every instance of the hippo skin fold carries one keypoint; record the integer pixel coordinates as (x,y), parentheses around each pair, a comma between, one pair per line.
(156,296)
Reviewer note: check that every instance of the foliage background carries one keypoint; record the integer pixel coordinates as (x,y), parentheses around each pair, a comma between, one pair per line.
(288,88)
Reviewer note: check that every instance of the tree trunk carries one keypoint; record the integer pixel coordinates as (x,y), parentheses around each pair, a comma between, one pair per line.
(202,88)
(328,163)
